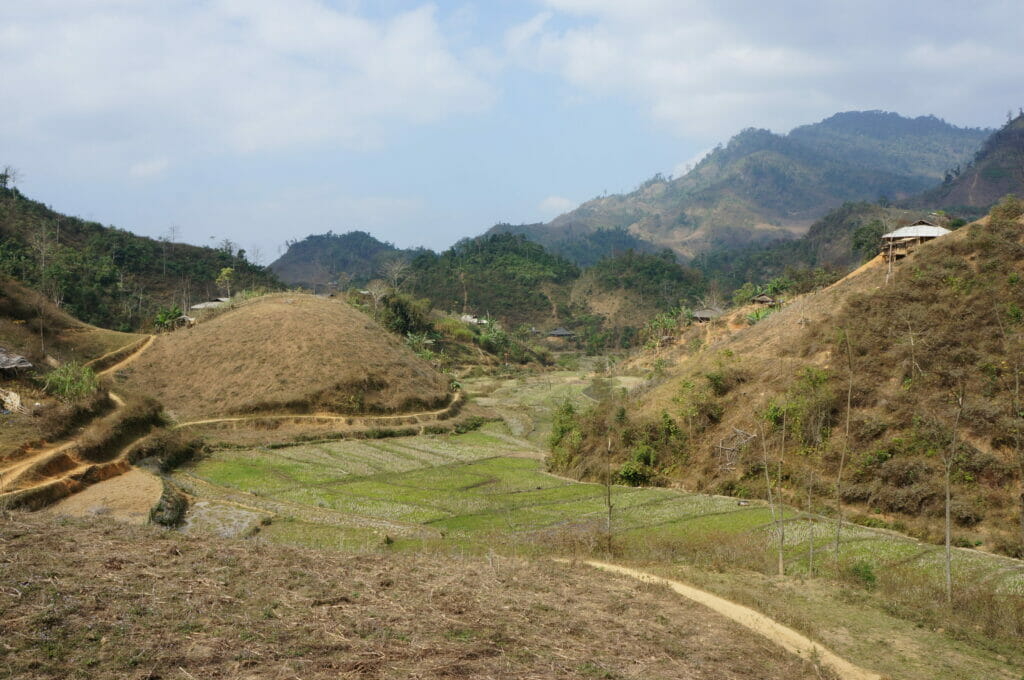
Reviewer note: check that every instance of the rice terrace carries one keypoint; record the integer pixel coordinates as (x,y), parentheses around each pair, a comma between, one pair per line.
(759,416)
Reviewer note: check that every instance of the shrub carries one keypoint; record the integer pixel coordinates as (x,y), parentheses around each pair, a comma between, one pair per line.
(71,382)
(635,473)
(863,573)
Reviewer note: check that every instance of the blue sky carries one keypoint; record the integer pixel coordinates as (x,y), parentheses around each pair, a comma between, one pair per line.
(265,120)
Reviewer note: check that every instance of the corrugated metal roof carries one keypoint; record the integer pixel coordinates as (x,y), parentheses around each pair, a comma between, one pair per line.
(11,361)
(916,231)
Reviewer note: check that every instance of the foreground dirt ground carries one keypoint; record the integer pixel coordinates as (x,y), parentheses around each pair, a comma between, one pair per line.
(99,599)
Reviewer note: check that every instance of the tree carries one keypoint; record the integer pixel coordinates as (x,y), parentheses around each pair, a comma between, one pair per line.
(394,271)
(377,290)
(846,442)
(225,279)
(948,460)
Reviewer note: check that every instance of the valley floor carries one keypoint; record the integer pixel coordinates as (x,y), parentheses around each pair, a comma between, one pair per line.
(446,516)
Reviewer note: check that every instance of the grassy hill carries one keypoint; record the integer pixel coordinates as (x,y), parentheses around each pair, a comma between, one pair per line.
(763,186)
(948,321)
(107,276)
(285,353)
(323,260)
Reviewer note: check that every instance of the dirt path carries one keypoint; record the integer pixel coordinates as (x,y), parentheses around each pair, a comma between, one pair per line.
(128,359)
(127,497)
(785,637)
(329,417)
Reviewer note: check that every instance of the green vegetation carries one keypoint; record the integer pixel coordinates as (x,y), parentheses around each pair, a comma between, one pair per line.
(502,275)
(324,261)
(71,382)
(107,276)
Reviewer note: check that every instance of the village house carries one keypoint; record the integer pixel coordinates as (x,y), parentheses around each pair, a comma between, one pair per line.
(706,315)
(900,243)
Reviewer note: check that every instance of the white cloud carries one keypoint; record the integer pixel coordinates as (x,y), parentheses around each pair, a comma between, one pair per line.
(224,75)
(553,206)
(148,168)
(708,68)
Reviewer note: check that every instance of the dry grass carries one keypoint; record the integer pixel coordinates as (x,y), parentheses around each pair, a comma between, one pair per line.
(285,354)
(950,297)
(64,338)
(101,600)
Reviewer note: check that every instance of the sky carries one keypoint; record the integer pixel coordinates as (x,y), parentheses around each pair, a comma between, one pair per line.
(263,121)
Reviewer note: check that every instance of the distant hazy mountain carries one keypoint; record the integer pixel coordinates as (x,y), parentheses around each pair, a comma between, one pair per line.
(996,170)
(320,259)
(762,186)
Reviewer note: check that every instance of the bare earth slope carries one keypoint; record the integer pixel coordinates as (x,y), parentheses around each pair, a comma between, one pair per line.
(102,600)
(285,353)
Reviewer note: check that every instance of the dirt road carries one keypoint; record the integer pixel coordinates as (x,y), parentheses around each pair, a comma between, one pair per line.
(785,637)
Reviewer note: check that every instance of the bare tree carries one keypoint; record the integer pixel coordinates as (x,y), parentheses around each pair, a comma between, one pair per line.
(846,443)
(395,271)
(1013,350)
(948,460)
(771,498)
(608,495)
(9,177)
(377,290)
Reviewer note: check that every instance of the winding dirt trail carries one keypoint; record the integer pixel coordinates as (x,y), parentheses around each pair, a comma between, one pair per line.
(784,636)
(130,358)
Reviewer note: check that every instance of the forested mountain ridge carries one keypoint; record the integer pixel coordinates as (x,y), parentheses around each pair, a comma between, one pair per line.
(995,171)
(107,276)
(330,259)
(763,186)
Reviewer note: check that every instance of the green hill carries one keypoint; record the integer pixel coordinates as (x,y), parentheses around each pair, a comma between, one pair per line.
(762,187)
(106,276)
(323,260)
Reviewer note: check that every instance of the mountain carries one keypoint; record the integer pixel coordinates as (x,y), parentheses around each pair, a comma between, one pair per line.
(996,170)
(763,186)
(110,277)
(330,259)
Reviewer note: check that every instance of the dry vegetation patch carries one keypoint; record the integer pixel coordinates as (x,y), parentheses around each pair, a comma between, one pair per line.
(101,600)
(286,354)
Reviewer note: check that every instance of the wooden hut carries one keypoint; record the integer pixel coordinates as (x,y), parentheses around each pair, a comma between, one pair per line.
(706,315)
(763,299)
(561,333)
(900,243)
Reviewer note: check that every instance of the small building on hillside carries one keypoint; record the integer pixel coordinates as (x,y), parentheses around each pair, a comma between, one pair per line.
(900,243)
(561,333)
(211,304)
(763,299)
(706,315)
(12,364)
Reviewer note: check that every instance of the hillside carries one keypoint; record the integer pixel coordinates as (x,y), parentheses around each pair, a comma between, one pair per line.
(285,353)
(763,186)
(107,276)
(323,260)
(995,171)
(32,326)
(949,320)
(274,612)
(837,242)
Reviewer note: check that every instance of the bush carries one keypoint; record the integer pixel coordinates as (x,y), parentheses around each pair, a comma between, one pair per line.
(71,382)
(863,573)
(635,473)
